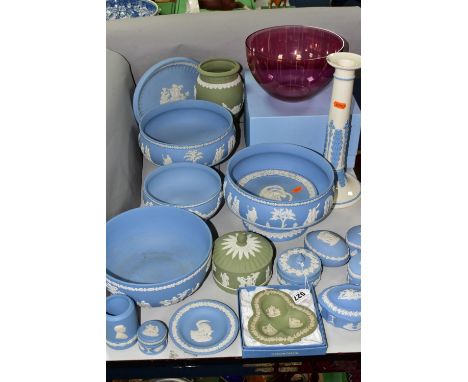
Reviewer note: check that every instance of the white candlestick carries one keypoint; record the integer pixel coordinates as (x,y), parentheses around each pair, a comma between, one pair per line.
(336,147)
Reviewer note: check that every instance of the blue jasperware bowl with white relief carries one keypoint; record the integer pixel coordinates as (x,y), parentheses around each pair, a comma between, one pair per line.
(192,131)
(340,306)
(191,186)
(121,322)
(157,255)
(329,247)
(279,189)
(354,270)
(353,239)
(298,267)
(152,337)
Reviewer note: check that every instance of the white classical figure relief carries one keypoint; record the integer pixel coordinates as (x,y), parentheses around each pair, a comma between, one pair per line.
(224,279)
(328,238)
(175,299)
(328,205)
(252,215)
(193,155)
(283,215)
(235,206)
(269,330)
(275,192)
(312,215)
(231,143)
(203,332)
(251,247)
(229,199)
(218,155)
(349,294)
(151,330)
(295,323)
(120,332)
(174,93)
(351,326)
(146,153)
(273,311)
(248,280)
(167,159)
(214,267)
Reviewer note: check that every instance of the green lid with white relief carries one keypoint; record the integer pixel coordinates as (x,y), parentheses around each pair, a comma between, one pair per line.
(242,259)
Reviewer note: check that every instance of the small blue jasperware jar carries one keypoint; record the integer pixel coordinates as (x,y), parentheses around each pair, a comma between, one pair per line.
(340,306)
(353,239)
(298,267)
(354,270)
(329,247)
(152,337)
(121,322)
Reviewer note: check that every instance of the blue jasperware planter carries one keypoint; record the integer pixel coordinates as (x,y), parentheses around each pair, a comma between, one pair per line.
(279,189)
(354,270)
(121,322)
(152,337)
(187,131)
(297,265)
(157,255)
(329,247)
(353,239)
(191,186)
(340,306)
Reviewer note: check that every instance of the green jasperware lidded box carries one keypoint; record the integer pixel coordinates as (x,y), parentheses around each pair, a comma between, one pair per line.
(242,259)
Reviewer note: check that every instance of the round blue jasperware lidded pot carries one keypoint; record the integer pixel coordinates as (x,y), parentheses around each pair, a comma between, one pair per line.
(152,337)
(353,239)
(354,270)
(329,247)
(340,306)
(279,189)
(121,322)
(157,255)
(191,186)
(299,267)
(187,131)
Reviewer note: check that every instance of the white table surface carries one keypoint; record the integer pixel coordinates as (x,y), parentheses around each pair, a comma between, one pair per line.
(339,340)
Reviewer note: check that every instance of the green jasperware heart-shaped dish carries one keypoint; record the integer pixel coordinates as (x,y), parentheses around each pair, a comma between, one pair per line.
(278,320)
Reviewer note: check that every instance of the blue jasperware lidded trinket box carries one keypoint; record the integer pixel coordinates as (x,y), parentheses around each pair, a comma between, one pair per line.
(297,265)
(329,247)
(341,306)
(152,337)
(354,270)
(353,239)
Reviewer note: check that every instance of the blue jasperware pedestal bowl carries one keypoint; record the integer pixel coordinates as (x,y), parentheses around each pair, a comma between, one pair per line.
(191,186)
(157,255)
(279,189)
(187,131)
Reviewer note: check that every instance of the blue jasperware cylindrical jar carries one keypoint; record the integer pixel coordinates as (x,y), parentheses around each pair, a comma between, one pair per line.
(353,239)
(329,247)
(297,266)
(121,322)
(152,337)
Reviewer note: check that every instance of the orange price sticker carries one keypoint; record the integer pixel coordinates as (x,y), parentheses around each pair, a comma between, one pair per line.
(297,189)
(339,105)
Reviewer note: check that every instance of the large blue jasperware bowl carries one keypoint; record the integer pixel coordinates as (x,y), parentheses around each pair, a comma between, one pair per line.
(191,186)
(279,189)
(157,255)
(187,131)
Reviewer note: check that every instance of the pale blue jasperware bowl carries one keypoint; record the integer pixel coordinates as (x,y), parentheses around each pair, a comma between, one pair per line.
(191,186)
(157,255)
(279,189)
(187,131)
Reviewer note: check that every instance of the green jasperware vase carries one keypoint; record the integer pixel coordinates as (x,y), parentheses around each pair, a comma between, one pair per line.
(219,81)
(241,259)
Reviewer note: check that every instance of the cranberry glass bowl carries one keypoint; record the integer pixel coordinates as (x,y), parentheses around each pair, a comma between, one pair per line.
(289,62)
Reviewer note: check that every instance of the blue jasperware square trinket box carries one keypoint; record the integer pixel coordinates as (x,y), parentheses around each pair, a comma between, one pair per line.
(152,337)
(329,247)
(313,344)
(341,306)
(353,239)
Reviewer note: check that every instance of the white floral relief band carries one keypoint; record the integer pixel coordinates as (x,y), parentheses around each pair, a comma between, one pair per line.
(327,257)
(111,284)
(121,344)
(229,338)
(220,86)
(312,269)
(335,309)
(209,213)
